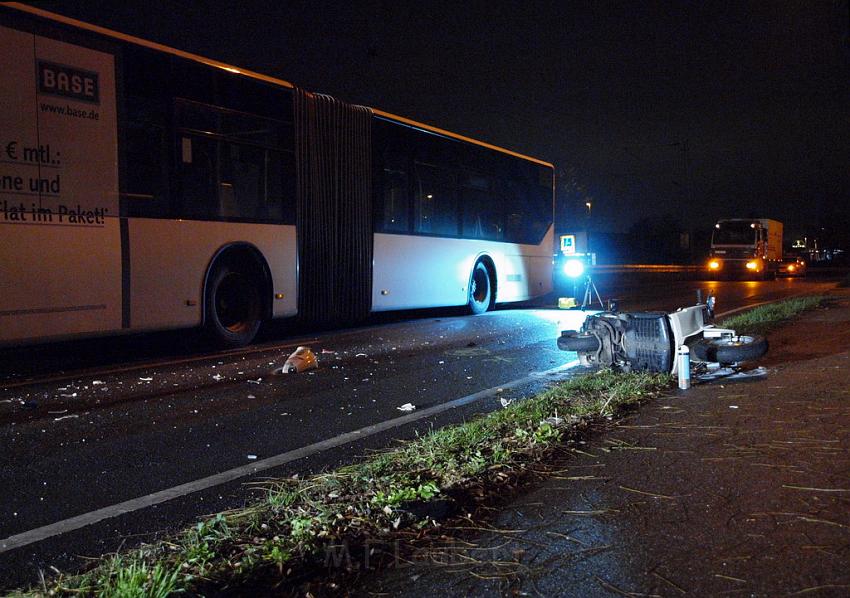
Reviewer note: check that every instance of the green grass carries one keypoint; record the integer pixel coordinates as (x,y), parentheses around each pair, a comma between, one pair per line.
(764,318)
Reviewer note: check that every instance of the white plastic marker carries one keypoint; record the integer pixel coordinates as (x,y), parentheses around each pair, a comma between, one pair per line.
(684,367)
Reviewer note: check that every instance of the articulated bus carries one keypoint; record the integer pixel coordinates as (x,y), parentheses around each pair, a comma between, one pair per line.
(145,188)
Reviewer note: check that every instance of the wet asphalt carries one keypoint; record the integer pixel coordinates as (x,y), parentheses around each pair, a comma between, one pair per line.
(724,489)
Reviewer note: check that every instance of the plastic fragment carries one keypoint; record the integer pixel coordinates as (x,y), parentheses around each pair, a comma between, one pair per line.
(218,377)
(73,416)
(146,379)
(505,402)
(407,407)
(302,359)
(252,457)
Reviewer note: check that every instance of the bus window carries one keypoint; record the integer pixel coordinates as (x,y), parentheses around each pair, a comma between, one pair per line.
(434,205)
(241,185)
(144,178)
(198,165)
(395,212)
(144,135)
(280,187)
(482,212)
(230,165)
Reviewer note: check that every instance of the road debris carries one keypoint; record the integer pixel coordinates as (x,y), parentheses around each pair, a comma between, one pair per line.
(301,360)
(407,407)
(72,416)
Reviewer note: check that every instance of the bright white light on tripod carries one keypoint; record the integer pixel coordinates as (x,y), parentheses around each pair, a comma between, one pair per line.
(573,268)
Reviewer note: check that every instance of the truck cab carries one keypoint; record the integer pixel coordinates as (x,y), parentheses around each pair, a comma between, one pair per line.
(747,248)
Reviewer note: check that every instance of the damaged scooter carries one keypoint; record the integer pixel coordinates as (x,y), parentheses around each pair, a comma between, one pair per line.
(650,341)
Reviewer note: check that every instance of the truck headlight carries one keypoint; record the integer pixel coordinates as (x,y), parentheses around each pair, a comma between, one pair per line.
(752,265)
(714,265)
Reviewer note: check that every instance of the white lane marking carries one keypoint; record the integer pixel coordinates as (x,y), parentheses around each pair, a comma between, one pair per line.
(128,506)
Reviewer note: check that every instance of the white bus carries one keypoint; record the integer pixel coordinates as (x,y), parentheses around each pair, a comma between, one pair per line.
(145,188)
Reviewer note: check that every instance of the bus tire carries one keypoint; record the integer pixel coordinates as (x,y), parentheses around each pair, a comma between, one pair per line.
(480,291)
(233,306)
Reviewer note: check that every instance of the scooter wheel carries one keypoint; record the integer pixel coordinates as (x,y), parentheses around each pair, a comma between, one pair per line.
(730,350)
(570,340)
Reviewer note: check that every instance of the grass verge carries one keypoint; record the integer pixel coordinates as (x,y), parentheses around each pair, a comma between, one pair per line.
(296,521)
(764,318)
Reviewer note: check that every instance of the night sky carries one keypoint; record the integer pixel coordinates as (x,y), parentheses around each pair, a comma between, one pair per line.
(692,110)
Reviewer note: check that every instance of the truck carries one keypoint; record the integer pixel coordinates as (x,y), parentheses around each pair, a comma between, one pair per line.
(749,248)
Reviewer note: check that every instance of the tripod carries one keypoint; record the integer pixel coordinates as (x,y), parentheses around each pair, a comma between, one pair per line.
(589,291)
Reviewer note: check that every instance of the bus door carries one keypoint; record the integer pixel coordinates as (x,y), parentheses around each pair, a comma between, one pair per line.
(61,240)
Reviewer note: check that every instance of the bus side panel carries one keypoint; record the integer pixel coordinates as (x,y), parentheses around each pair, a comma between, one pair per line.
(527,272)
(412,272)
(61,249)
(169,260)
(415,272)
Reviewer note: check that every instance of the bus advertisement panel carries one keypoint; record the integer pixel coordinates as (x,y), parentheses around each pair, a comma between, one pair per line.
(61,273)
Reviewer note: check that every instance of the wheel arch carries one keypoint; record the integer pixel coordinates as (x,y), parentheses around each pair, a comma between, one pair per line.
(245,254)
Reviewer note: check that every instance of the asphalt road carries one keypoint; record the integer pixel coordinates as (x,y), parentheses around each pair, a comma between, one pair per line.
(89,425)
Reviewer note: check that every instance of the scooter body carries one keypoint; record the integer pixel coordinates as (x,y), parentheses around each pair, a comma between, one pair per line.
(648,340)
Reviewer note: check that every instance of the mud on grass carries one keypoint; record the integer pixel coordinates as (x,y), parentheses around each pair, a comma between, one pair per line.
(277,542)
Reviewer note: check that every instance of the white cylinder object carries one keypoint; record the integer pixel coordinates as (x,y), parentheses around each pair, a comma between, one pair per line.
(684,367)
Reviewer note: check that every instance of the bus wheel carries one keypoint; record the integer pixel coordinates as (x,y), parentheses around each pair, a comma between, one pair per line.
(233,306)
(479,290)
